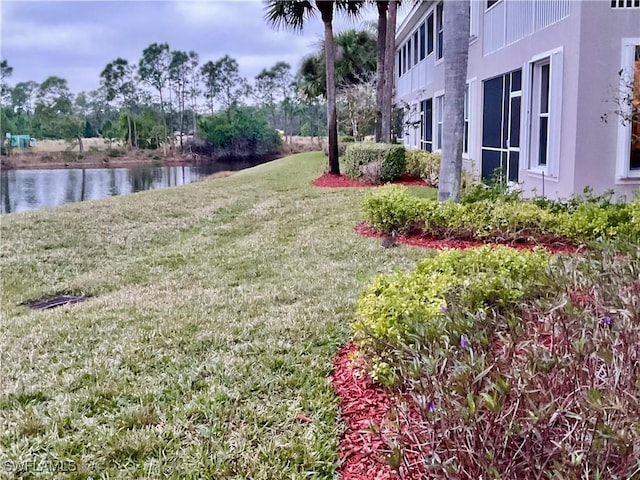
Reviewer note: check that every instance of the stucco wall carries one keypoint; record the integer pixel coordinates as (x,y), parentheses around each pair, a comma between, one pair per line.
(600,60)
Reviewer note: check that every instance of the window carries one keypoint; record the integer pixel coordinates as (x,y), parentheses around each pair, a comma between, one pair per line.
(439,117)
(625,3)
(465,138)
(544,97)
(491,3)
(430,34)
(474,16)
(628,151)
(439,31)
(426,117)
(422,42)
(409,58)
(540,111)
(416,48)
(404,59)
(399,63)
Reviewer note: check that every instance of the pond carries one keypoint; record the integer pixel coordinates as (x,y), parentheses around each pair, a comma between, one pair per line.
(24,190)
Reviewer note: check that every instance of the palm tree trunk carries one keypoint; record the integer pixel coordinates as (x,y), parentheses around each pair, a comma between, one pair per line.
(456,55)
(390,52)
(383,6)
(326,10)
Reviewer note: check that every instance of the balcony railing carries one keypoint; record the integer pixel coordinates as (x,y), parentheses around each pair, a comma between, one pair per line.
(508,21)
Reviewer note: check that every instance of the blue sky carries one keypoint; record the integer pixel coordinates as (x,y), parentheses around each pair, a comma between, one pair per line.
(76,39)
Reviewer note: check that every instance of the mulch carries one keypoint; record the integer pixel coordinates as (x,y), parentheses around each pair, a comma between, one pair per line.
(419,239)
(329,180)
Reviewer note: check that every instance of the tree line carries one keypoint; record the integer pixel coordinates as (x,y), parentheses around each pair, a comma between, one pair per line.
(168,93)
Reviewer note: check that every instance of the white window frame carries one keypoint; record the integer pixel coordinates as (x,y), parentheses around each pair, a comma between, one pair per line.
(623,150)
(470,116)
(474,20)
(530,102)
(438,113)
(436,40)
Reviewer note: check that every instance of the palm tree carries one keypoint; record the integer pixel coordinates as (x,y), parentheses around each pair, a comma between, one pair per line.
(355,62)
(456,55)
(383,7)
(390,50)
(293,14)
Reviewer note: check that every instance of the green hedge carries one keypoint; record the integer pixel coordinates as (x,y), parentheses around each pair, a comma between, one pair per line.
(391,208)
(391,158)
(422,164)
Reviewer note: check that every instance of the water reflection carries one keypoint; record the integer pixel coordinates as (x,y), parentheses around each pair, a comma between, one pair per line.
(23,190)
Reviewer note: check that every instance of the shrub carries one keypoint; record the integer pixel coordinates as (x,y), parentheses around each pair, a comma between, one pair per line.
(346,139)
(393,307)
(391,209)
(541,383)
(502,218)
(422,164)
(391,157)
(393,163)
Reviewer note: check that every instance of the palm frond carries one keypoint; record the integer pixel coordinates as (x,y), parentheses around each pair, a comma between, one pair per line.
(288,14)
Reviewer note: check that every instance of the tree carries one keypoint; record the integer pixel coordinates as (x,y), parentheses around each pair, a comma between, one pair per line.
(390,51)
(153,69)
(194,89)
(179,70)
(54,104)
(456,55)
(381,44)
(23,96)
(231,87)
(357,107)
(118,80)
(210,76)
(355,62)
(264,90)
(5,72)
(293,14)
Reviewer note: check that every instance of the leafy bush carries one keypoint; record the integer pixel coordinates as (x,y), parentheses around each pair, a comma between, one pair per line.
(240,132)
(393,163)
(393,307)
(501,218)
(536,379)
(346,139)
(422,164)
(392,158)
(391,209)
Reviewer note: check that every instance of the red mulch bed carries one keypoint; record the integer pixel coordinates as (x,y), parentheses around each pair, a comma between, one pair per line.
(364,408)
(423,240)
(342,181)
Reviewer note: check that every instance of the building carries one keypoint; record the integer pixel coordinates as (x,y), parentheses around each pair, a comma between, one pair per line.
(545,78)
(21,141)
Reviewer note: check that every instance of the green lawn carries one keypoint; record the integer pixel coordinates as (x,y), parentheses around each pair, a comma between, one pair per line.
(216,310)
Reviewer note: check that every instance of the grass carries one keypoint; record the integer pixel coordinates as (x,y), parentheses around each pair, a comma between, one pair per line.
(216,310)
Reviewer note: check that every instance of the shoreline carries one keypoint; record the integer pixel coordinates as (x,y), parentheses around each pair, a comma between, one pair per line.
(93,164)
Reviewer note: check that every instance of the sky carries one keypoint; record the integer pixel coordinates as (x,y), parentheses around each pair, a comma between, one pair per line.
(75,40)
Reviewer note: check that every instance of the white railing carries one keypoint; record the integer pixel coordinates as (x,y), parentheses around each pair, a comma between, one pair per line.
(417,78)
(511,20)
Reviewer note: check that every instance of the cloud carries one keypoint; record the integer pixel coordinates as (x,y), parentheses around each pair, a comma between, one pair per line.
(76,39)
